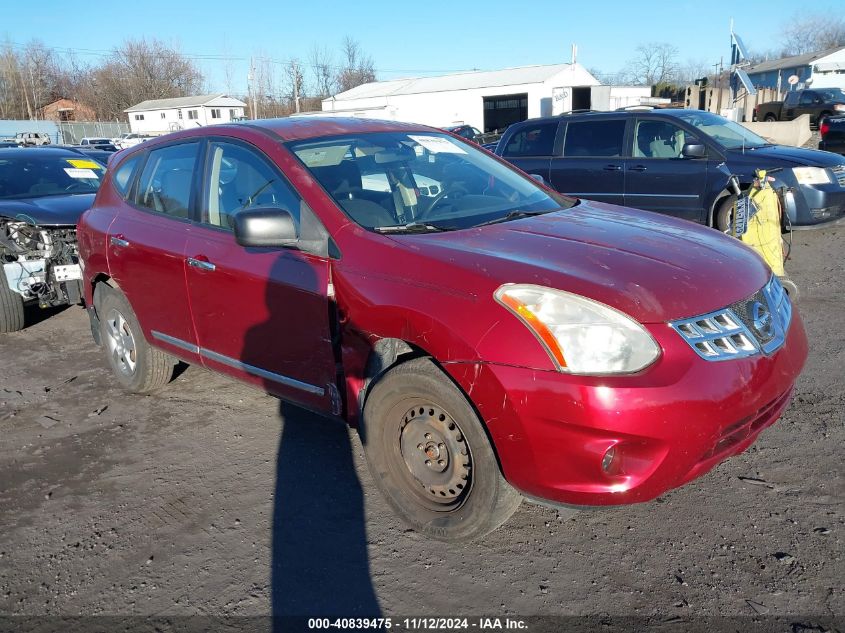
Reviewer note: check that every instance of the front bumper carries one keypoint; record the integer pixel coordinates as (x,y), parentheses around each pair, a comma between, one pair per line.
(669,424)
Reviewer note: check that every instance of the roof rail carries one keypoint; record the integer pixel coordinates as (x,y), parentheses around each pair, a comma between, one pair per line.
(636,108)
(581,111)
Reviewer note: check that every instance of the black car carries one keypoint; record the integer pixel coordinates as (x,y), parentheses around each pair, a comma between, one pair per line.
(832,132)
(43,191)
(464,131)
(672,161)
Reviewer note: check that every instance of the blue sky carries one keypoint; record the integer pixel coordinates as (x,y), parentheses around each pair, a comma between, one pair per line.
(405,38)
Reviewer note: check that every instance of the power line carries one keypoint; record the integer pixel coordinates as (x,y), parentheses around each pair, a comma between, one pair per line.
(218,57)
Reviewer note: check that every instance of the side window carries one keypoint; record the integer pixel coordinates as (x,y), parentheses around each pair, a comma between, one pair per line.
(533,140)
(791,99)
(165,184)
(122,177)
(595,138)
(660,139)
(807,98)
(240,178)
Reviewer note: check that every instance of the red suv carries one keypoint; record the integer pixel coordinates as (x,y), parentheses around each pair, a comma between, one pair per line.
(489,338)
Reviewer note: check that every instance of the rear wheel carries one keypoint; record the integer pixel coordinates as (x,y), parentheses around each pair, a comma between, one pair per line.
(770,117)
(137,365)
(724,214)
(11,307)
(430,456)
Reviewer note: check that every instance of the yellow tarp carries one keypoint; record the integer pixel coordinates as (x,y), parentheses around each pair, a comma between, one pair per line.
(763,234)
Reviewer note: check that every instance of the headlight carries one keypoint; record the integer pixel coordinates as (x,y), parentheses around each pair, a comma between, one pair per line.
(581,336)
(811,175)
(839,107)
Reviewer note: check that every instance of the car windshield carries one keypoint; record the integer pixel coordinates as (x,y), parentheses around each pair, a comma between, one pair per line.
(727,133)
(33,176)
(831,94)
(423,180)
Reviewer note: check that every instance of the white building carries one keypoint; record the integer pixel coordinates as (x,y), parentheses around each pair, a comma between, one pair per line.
(489,100)
(159,116)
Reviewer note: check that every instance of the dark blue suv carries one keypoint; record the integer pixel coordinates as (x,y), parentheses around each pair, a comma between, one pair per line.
(672,161)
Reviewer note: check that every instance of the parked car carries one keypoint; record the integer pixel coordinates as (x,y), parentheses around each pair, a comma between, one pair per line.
(491,341)
(832,133)
(42,194)
(99,143)
(32,138)
(819,103)
(675,162)
(464,131)
(4,144)
(130,139)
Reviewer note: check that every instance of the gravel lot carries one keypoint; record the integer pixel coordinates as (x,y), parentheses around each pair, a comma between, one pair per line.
(209,498)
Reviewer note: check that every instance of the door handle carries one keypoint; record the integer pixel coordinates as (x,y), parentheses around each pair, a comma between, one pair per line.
(201,264)
(638,168)
(612,167)
(117,240)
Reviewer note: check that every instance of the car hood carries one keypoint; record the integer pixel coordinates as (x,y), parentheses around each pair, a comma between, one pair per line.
(781,155)
(650,266)
(49,210)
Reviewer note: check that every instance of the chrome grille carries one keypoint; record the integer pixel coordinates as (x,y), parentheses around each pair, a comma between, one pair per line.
(747,327)
(839,174)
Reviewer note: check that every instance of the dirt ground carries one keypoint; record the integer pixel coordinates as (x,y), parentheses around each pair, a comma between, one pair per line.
(209,498)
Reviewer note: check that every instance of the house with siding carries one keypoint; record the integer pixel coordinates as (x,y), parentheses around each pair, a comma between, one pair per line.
(159,116)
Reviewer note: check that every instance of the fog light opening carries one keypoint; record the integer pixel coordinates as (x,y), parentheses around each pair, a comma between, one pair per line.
(611,461)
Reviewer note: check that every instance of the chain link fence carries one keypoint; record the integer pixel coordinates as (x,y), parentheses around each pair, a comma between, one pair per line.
(63,133)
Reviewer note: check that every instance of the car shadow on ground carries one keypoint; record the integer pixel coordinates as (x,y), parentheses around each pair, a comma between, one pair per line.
(320,564)
(33,314)
(319,560)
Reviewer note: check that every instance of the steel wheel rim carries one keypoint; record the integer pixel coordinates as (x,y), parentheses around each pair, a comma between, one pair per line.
(121,343)
(434,457)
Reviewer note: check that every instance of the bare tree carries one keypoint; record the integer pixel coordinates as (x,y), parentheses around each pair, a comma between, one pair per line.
(140,70)
(654,63)
(358,68)
(322,67)
(295,81)
(811,33)
(693,69)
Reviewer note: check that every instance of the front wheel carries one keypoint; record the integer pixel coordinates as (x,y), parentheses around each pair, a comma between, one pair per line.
(430,456)
(138,367)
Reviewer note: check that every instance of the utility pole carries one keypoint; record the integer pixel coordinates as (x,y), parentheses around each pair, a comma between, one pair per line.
(250,78)
(295,85)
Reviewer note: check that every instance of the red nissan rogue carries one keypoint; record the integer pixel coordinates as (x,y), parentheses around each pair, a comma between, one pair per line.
(490,338)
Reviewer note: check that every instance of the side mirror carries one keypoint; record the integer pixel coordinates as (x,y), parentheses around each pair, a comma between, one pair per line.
(694,150)
(538,178)
(265,227)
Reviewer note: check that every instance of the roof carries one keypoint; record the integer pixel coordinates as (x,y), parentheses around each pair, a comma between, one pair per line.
(792,62)
(459,81)
(180,102)
(296,128)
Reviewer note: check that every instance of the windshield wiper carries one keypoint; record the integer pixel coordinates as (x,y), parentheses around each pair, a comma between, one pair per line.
(412,227)
(515,215)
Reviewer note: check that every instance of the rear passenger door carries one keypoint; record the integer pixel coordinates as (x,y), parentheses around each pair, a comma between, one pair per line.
(592,162)
(532,146)
(658,177)
(146,247)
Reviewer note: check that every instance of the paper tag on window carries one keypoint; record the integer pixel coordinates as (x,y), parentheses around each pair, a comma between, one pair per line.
(76,172)
(438,144)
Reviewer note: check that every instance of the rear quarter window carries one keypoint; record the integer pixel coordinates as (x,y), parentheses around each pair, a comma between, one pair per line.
(532,140)
(122,177)
(595,138)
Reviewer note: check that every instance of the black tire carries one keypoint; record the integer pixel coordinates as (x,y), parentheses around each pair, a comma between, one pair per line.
(11,307)
(724,214)
(459,493)
(770,117)
(138,367)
